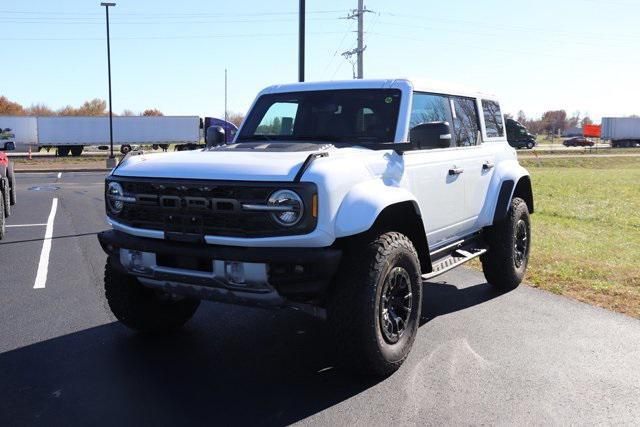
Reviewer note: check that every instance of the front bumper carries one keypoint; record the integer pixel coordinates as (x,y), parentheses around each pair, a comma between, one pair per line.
(291,275)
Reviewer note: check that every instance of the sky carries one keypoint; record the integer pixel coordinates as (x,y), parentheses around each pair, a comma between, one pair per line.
(577,55)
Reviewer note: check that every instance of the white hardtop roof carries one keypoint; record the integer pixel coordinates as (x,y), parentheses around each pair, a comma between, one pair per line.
(420,85)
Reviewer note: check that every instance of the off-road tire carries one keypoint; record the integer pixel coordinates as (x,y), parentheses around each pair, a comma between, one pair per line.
(500,264)
(2,220)
(530,145)
(142,308)
(355,304)
(5,193)
(125,149)
(11,175)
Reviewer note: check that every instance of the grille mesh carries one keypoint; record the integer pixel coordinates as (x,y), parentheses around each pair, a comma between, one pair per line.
(148,213)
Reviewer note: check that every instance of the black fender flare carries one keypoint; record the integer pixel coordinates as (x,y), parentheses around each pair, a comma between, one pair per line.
(508,190)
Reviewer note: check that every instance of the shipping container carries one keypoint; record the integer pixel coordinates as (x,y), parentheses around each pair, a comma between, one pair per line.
(24,130)
(621,131)
(67,132)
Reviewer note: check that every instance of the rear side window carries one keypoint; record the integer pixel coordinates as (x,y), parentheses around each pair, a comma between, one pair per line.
(492,118)
(465,121)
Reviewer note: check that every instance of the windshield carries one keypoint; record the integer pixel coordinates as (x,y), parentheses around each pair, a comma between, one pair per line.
(350,116)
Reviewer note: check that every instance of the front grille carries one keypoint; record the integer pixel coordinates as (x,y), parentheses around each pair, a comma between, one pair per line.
(208,207)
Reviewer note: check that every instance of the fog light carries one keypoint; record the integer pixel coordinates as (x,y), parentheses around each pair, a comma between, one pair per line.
(136,261)
(234,272)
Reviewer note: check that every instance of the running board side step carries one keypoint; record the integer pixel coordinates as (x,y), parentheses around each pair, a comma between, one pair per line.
(456,258)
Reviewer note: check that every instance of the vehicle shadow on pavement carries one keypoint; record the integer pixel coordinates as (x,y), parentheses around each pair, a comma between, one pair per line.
(228,366)
(443,298)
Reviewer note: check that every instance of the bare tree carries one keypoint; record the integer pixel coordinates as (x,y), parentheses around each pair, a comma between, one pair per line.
(95,107)
(127,112)
(235,118)
(10,108)
(522,118)
(39,110)
(152,112)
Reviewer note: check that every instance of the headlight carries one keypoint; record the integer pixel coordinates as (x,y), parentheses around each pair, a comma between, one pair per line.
(115,197)
(287,207)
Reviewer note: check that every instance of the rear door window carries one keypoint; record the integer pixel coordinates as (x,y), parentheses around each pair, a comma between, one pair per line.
(492,119)
(465,121)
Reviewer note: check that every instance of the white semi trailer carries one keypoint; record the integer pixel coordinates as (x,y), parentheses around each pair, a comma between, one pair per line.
(73,133)
(24,129)
(621,131)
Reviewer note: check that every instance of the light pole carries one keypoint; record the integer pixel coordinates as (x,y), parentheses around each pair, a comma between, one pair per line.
(111,161)
(301,13)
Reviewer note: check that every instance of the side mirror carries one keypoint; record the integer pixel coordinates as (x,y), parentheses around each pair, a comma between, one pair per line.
(431,135)
(215,136)
(9,146)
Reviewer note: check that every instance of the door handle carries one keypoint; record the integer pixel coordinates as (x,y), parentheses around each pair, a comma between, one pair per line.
(488,165)
(455,171)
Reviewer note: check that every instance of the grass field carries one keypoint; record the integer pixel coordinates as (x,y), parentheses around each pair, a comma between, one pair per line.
(59,163)
(586,230)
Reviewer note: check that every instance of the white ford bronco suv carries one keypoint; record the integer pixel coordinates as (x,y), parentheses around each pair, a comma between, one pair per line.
(336,198)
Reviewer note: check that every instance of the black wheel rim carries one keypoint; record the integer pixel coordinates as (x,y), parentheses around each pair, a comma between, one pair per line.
(396,302)
(521,243)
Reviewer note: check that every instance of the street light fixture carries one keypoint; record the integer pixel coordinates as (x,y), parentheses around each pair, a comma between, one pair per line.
(111,161)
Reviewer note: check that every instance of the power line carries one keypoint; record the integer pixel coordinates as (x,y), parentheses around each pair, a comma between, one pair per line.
(210,36)
(499,26)
(169,14)
(34,22)
(494,49)
(335,53)
(554,39)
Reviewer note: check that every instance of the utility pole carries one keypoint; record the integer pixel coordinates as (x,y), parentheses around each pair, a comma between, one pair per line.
(226,116)
(301,41)
(359,50)
(111,161)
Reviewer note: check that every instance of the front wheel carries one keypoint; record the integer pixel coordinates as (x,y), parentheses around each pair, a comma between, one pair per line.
(509,241)
(144,309)
(11,175)
(5,193)
(375,303)
(2,221)
(530,145)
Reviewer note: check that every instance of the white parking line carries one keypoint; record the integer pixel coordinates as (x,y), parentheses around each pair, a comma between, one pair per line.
(25,225)
(43,265)
(59,175)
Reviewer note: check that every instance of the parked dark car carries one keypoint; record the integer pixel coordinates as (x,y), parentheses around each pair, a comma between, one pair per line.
(578,141)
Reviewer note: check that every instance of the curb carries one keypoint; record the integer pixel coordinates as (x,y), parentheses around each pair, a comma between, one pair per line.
(61,170)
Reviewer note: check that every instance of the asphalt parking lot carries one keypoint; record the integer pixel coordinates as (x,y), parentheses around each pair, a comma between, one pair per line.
(524,357)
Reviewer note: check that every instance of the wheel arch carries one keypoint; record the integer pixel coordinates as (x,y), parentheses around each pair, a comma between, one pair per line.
(375,207)
(510,189)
